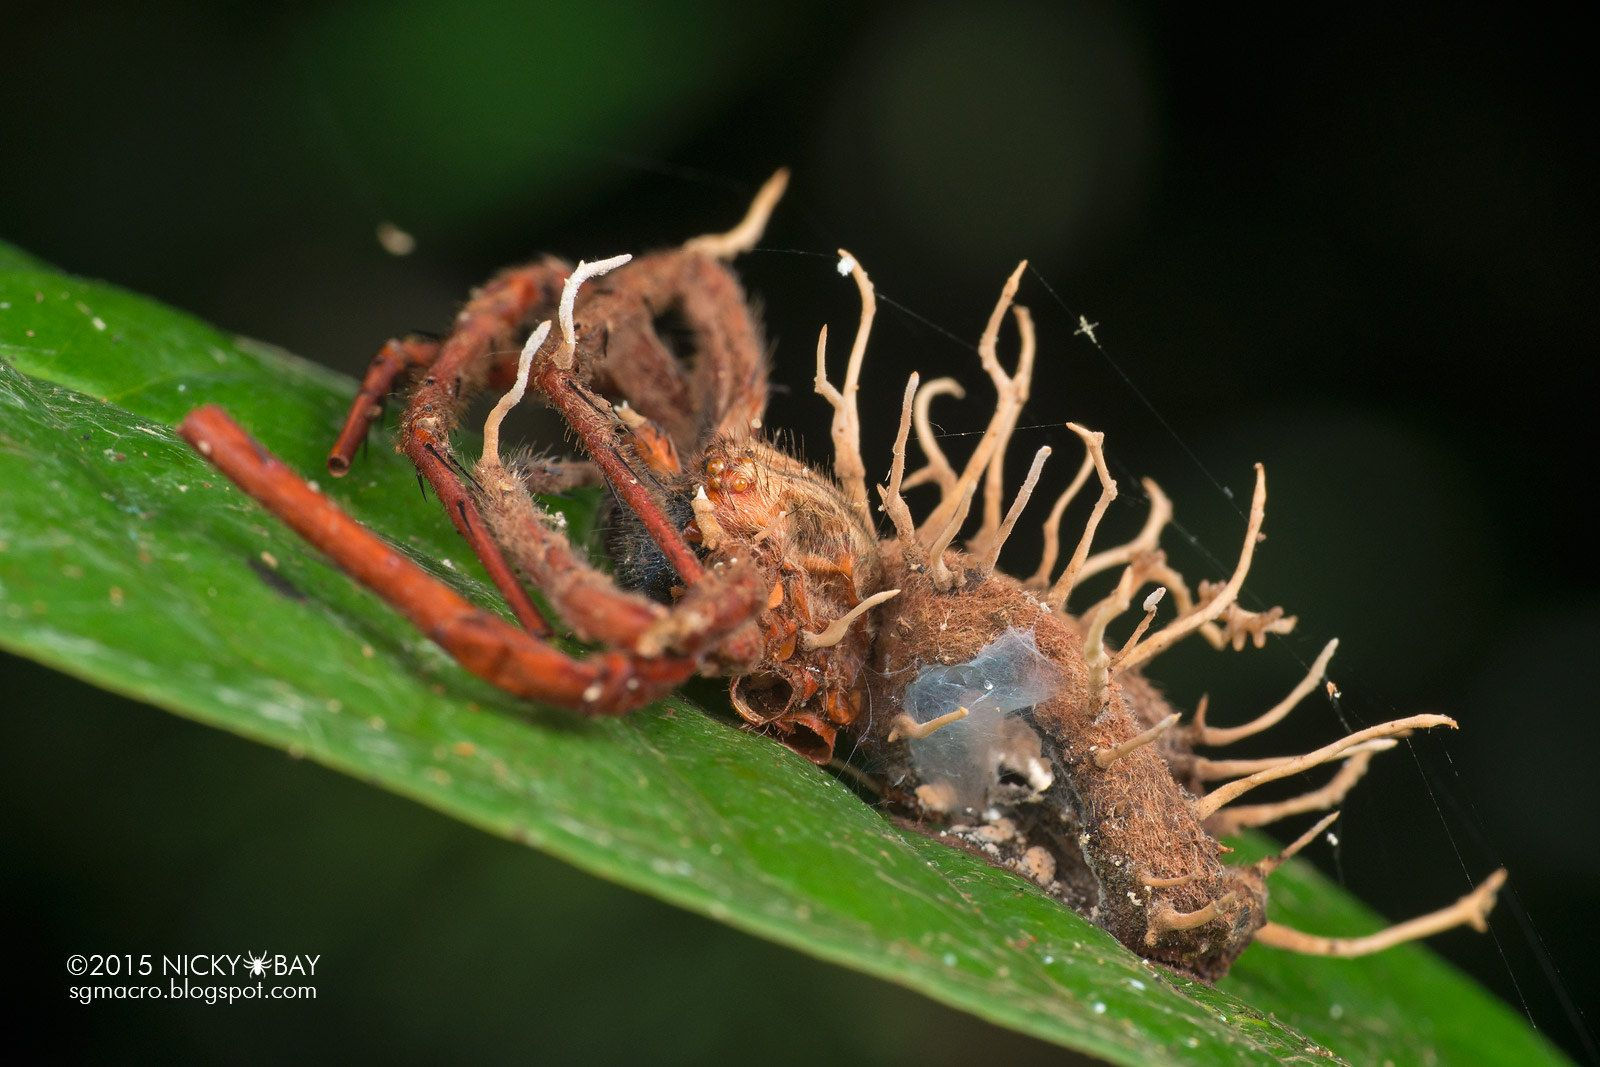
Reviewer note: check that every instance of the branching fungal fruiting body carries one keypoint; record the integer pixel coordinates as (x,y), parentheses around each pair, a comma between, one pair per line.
(1000,718)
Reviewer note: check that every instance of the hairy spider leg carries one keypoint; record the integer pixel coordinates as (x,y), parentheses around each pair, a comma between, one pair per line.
(672,333)
(617,351)
(622,355)
(601,683)
(398,357)
(481,344)
(707,617)
(613,346)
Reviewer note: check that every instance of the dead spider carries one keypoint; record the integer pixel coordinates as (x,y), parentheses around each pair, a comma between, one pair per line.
(1010,725)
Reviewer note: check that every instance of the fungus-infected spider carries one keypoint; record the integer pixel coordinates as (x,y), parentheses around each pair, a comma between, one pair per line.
(990,712)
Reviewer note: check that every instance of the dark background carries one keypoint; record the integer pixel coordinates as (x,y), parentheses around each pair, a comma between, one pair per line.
(1357,248)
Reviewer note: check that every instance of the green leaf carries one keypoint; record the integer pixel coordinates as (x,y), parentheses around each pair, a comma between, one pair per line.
(126,561)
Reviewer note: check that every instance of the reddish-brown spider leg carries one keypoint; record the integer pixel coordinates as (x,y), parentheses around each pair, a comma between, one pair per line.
(710,620)
(481,341)
(602,683)
(597,429)
(398,357)
(618,351)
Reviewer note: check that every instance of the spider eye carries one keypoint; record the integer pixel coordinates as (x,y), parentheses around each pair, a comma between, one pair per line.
(739,484)
(715,467)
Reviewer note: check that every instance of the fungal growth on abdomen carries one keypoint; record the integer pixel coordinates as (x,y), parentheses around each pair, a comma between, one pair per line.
(1013,725)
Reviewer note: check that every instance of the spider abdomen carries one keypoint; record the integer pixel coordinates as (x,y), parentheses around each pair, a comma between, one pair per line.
(1128,825)
(637,562)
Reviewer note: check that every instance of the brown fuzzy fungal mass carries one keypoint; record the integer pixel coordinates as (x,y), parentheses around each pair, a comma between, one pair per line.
(1129,826)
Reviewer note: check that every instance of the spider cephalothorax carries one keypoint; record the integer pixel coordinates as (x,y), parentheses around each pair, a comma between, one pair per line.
(989,711)
(825,565)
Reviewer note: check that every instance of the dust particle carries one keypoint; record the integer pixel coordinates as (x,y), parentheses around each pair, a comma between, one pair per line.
(395,241)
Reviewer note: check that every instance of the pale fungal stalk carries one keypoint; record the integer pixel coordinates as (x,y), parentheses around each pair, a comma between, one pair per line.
(840,626)
(991,552)
(1216,736)
(1184,625)
(938,469)
(513,396)
(1471,910)
(893,503)
(743,237)
(1052,523)
(1094,442)
(848,466)
(1208,804)
(1010,390)
(566,354)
